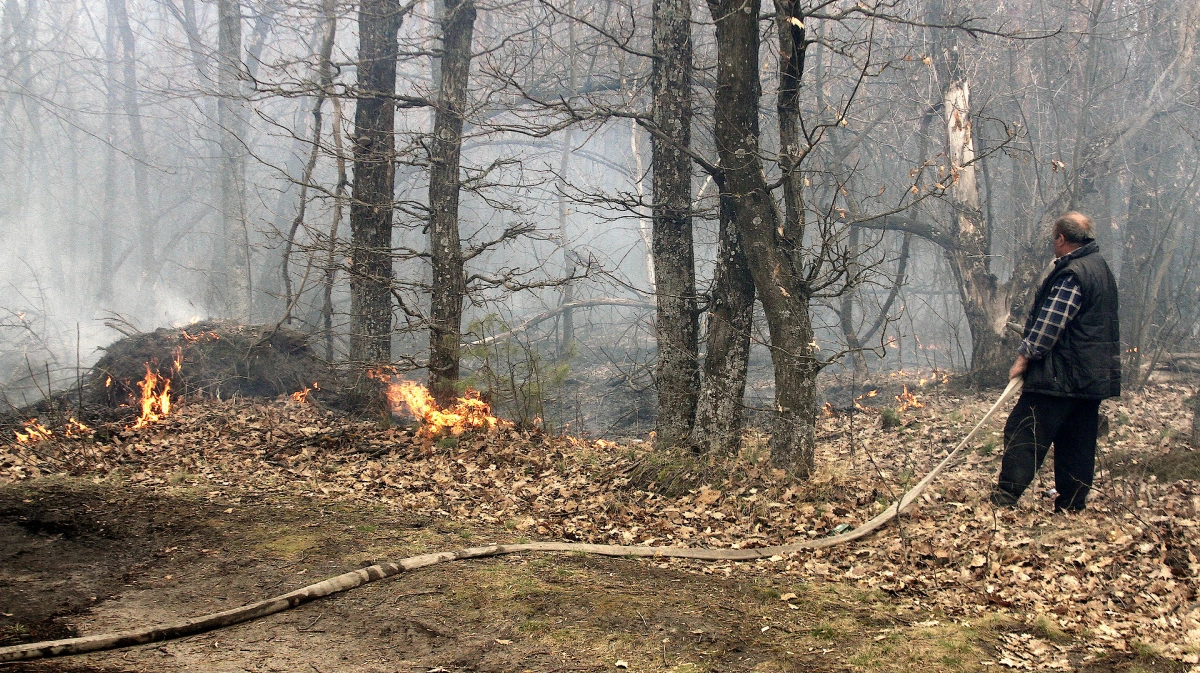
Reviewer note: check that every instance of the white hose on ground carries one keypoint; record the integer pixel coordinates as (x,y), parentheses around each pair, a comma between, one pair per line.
(357,578)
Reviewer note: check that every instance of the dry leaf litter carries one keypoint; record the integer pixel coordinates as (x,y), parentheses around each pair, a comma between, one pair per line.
(1120,576)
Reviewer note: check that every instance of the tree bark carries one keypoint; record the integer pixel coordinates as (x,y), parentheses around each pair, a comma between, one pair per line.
(234,254)
(339,199)
(985,301)
(720,409)
(566,320)
(676,321)
(771,242)
(108,226)
(137,140)
(1195,439)
(324,83)
(846,315)
(449,282)
(371,195)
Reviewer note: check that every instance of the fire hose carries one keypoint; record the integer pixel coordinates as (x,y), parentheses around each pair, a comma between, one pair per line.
(357,578)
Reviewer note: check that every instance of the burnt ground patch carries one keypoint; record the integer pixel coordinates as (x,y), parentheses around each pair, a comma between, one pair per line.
(81,558)
(64,549)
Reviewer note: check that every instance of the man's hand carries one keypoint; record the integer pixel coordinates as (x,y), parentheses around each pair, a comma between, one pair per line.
(1019,367)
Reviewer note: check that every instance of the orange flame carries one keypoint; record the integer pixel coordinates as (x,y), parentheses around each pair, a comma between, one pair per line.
(34,432)
(908,400)
(156,404)
(200,336)
(469,412)
(74,428)
(301,396)
(873,393)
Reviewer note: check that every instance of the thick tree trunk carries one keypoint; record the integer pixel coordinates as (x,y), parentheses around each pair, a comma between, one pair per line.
(771,243)
(677,371)
(449,282)
(371,196)
(985,301)
(720,411)
(234,255)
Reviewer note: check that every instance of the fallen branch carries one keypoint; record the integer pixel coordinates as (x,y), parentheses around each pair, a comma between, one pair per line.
(357,578)
(546,315)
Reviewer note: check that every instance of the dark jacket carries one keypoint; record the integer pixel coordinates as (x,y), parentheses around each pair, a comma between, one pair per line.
(1085,362)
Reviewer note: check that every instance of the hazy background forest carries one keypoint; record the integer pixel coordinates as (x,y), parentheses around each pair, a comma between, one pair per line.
(554,200)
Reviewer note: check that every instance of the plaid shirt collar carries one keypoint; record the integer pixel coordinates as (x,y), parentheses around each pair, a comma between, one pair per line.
(1085,249)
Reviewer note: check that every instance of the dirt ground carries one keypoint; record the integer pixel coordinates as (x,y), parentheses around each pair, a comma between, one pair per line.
(232,502)
(85,558)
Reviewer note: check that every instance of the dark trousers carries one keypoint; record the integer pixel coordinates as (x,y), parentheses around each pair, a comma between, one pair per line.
(1034,424)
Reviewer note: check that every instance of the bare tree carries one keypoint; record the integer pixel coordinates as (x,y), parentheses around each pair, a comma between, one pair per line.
(449,282)
(677,371)
(374,175)
(720,412)
(146,226)
(233,255)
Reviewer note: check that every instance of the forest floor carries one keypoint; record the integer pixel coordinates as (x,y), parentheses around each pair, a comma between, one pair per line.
(223,503)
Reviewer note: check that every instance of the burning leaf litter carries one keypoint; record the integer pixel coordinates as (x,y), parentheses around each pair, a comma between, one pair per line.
(1118,577)
(468,413)
(156,398)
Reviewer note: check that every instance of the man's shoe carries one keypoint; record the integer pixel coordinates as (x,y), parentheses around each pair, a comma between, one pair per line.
(1002,498)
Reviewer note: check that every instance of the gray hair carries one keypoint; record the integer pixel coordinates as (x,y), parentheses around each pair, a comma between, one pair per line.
(1075,227)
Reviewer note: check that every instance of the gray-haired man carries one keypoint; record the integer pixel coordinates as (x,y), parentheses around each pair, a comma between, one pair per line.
(1070,357)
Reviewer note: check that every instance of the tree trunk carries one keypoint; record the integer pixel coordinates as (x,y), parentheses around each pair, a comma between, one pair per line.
(677,371)
(137,139)
(234,254)
(339,199)
(720,410)
(771,244)
(449,282)
(858,360)
(108,225)
(324,84)
(985,302)
(374,175)
(644,227)
(566,323)
(566,319)
(1195,439)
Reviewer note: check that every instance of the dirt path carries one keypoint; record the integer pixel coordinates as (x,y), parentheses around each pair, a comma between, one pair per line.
(79,558)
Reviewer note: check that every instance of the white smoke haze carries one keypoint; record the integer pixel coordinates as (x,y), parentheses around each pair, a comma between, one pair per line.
(115,191)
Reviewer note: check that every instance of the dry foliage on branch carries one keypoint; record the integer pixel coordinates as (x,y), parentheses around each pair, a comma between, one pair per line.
(1120,576)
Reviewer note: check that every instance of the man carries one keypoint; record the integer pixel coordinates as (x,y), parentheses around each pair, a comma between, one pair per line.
(1070,357)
